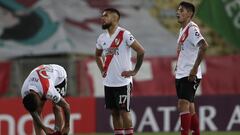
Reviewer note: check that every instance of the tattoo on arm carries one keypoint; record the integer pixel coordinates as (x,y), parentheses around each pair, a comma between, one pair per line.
(140,54)
(139,61)
(201,53)
(98,58)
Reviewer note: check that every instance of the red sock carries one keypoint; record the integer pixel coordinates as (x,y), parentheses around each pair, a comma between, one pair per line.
(118,131)
(195,125)
(185,122)
(129,131)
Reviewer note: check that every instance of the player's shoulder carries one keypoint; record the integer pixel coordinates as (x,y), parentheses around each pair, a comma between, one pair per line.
(193,25)
(123,29)
(126,32)
(102,36)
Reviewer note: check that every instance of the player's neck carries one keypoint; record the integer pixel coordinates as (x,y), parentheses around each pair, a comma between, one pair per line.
(185,23)
(112,29)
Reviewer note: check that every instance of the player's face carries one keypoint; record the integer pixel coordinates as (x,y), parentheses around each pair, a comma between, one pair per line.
(183,15)
(106,20)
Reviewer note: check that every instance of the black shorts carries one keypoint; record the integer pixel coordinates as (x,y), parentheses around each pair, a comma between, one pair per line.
(186,89)
(118,97)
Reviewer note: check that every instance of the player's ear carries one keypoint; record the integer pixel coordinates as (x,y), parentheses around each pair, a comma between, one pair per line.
(115,17)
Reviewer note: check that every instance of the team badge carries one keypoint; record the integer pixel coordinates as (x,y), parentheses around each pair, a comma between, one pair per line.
(117,41)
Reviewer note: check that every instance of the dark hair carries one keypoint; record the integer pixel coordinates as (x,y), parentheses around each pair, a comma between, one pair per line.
(113,10)
(189,6)
(30,102)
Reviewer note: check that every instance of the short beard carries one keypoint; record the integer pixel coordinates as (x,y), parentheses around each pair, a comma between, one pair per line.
(106,26)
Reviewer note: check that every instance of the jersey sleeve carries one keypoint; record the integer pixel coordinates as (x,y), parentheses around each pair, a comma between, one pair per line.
(53,94)
(194,35)
(129,38)
(98,43)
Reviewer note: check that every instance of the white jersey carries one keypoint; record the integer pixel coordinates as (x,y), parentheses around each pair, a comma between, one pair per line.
(188,40)
(43,80)
(121,60)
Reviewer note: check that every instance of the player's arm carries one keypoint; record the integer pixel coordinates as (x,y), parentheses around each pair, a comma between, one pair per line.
(59,118)
(38,122)
(201,53)
(66,111)
(99,61)
(137,47)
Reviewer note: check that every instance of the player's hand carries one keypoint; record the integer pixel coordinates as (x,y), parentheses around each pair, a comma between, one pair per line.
(128,73)
(192,76)
(65,130)
(48,130)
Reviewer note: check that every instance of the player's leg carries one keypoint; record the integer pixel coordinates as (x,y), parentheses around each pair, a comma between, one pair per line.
(127,122)
(111,102)
(59,118)
(117,122)
(194,121)
(185,94)
(37,128)
(185,116)
(125,95)
(194,118)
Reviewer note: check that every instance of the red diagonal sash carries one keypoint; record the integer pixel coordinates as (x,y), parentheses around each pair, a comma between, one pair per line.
(184,36)
(182,39)
(42,74)
(115,44)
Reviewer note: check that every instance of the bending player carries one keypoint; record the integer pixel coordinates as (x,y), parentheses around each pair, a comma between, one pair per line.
(47,82)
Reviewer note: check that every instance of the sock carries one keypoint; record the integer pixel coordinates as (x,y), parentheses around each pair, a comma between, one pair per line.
(195,125)
(185,122)
(129,131)
(118,131)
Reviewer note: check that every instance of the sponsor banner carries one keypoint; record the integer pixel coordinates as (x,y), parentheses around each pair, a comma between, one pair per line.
(14,119)
(221,75)
(5,68)
(155,114)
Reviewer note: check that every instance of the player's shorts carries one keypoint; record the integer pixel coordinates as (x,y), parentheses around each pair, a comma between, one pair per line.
(118,97)
(186,89)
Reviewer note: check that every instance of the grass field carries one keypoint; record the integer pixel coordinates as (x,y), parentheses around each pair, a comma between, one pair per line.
(173,133)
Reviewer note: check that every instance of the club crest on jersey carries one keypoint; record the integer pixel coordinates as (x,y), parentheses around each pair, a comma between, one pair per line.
(117,41)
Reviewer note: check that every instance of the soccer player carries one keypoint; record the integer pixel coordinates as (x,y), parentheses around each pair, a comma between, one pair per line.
(113,57)
(47,82)
(191,50)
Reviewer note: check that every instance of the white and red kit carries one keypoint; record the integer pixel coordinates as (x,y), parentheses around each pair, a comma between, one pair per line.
(43,80)
(117,54)
(187,41)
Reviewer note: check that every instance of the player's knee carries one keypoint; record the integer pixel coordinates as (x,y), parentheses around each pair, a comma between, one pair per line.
(183,105)
(115,113)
